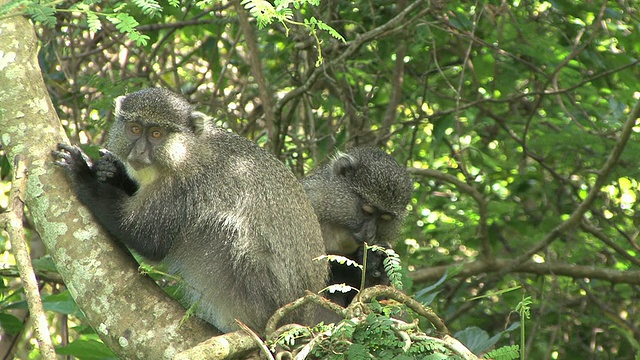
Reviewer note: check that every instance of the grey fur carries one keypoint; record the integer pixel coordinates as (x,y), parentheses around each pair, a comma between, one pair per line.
(217,209)
(340,189)
(359,196)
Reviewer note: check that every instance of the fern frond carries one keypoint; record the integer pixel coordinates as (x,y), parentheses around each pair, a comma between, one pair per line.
(342,288)
(125,23)
(340,260)
(504,353)
(42,14)
(93,21)
(393,268)
(150,8)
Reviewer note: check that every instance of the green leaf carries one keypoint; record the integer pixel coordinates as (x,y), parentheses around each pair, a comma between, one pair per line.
(10,324)
(93,21)
(150,8)
(44,264)
(87,350)
(125,23)
(61,303)
(42,14)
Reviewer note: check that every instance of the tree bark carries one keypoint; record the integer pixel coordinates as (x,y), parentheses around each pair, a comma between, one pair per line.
(132,315)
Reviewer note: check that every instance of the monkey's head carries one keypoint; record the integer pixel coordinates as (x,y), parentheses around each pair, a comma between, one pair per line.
(155,130)
(360,196)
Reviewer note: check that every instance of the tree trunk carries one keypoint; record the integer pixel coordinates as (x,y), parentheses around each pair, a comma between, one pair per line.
(132,315)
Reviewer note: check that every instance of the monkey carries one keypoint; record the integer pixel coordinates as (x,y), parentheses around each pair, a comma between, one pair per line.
(359,196)
(216,209)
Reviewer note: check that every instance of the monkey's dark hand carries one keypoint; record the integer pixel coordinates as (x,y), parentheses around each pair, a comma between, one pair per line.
(108,167)
(73,160)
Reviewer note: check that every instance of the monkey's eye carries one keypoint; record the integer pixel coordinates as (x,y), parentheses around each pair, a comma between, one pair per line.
(156,133)
(135,129)
(386,217)
(368,209)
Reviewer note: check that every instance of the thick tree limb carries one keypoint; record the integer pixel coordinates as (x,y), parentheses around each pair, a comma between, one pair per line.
(225,346)
(133,316)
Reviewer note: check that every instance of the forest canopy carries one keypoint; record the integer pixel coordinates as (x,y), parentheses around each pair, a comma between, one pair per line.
(514,118)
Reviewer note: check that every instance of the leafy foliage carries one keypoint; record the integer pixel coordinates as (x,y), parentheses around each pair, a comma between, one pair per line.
(125,23)
(266,13)
(504,353)
(392,267)
(42,14)
(150,8)
(376,336)
(505,113)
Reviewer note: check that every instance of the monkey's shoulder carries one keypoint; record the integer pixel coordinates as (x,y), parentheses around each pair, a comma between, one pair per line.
(240,155)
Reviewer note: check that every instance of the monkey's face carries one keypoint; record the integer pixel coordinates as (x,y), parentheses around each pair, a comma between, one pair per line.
(358,222)
(143,141)
(149,150)
(376,225)
(154,133)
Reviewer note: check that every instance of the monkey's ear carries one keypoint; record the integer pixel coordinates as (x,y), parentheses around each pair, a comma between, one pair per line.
(344,164)
(200,122)
(118,104)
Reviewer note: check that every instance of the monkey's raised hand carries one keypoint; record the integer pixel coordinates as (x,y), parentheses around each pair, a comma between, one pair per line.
(111,170)
(81,170)
(108,166)
(74,161)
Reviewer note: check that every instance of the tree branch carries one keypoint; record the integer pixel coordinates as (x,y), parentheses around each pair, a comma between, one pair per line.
(132,315)
(258,74)
(349,50)
(481,200)
(15,229)
(502,265)
(576,217)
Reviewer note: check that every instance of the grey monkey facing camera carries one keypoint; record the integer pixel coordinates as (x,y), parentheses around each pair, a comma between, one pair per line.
(226,216)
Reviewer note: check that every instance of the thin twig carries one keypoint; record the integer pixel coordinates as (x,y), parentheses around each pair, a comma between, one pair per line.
(349,50)
(258,74)
(590,228)
(481,200)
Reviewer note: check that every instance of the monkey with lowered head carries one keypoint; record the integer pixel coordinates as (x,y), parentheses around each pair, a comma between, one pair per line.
(359,196)
(226,216)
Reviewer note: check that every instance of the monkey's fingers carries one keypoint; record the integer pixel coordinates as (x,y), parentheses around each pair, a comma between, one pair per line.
(61,158)
(106,153)
(109,166)
(105,170)
(69,156)
(71,149)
